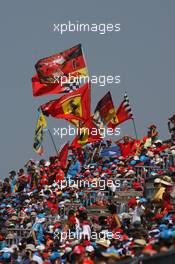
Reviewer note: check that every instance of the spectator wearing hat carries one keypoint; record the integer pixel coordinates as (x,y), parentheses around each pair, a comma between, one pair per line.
(159,191)
(28,255)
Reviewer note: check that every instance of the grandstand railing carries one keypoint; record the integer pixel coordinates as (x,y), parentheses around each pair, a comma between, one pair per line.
(168,160)
(16,234)
(145,171)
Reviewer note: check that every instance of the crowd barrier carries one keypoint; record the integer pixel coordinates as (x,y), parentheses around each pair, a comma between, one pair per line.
(168,161)
(145,171)
(14,235)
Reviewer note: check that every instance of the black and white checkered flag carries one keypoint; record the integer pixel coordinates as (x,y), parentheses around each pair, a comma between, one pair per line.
(127,105)
(71,86)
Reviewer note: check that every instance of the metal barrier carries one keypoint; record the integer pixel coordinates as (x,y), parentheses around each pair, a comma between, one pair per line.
(145,171)
(125,184)
(97,211)
(64,210)
(16,234)
(168,161)
(91,197)
(122,207)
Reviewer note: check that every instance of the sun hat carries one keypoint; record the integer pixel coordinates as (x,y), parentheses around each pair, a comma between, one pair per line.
(157,180)
(14,218)
(103,242)
(30,247)
(139,242)
(166,180)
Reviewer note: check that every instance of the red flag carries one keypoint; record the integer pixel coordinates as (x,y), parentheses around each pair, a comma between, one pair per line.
(40,89)
(44,89)
(62,156)
(104,111)
(72,106)
(87,133)
(123,113)
(69,62)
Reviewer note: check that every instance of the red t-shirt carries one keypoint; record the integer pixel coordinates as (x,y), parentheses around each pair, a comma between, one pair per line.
(126,148)
(59,175)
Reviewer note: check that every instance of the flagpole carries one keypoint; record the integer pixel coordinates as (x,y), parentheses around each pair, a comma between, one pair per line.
(135,130)
(133,121)
(53,141)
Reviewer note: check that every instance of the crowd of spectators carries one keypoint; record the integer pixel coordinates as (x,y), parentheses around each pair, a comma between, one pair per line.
(45,209)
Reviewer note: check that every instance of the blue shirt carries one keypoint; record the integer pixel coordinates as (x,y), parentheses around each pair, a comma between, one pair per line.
(38,228)
(74,169)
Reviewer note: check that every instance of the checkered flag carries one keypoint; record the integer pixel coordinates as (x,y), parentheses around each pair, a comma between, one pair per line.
(71,86)
(127,106)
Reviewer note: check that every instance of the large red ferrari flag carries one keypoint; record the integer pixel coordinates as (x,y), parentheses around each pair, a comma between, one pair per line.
(72,106)
(87,133)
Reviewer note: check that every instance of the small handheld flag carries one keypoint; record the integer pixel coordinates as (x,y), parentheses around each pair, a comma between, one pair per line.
(41,126)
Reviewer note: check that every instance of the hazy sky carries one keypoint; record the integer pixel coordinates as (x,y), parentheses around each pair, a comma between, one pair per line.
(142,53)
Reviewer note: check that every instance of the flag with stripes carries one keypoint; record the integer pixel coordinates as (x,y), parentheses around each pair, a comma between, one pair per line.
(123,113)
(104,111)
